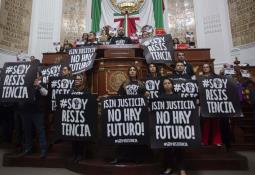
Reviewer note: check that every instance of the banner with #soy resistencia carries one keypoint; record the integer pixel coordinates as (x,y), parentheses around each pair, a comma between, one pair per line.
(50,71)
(81,59)
(17,82)
(186,88)
(174,122)
(76,116)
(152,86)
(59,86)
(159,49)
(218,97)
(125,120)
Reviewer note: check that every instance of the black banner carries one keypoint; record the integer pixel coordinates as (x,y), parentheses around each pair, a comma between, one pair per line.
(186,88)
(50,71)
(125,120)
(218,97)
(76,116)
(17,82)
(81,59)
(174,123)
(59,86)
(152,86)
(159,49)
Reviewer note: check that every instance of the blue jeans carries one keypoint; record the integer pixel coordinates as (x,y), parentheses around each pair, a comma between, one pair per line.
(36,118)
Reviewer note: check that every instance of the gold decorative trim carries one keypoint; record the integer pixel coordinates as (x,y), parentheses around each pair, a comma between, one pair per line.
(116,78)
(129,6)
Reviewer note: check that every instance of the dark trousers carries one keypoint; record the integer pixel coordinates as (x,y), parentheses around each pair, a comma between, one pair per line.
(36,119)
(133,153)
(226,131)
(6,124)
(174,158)
(78,148)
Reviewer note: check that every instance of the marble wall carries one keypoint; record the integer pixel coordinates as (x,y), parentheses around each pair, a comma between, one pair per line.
(242,20)
(15,19)
(73,23)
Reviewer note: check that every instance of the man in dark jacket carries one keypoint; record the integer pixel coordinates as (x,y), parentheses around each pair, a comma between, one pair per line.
(179,72)
(32,114)
(121,38)
(188,67)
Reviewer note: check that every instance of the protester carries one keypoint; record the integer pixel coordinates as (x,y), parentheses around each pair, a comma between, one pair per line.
(32,113)
(66,46)
(210,126)
(188,68)
(66,72)
(179,73)
(131,153)
(171,156)
(121,38)
(132,86)
(80,88)
(152,80)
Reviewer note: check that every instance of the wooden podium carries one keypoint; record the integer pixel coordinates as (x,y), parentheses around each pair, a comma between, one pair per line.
(112,62)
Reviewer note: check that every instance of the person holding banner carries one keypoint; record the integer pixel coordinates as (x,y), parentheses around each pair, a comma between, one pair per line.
(132,86)
(153,71)
(33,114)
(179,73)
(171,156)
(131,153)
(210,125)
(152,81)
(80,88)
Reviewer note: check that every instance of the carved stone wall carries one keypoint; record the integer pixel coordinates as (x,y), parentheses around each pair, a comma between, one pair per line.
(242,20)
(73,19)
(15,19)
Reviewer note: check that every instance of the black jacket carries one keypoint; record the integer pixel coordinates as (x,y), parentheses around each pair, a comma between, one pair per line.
(121,40)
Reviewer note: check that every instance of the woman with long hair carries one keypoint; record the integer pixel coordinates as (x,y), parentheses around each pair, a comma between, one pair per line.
(80,88)
(172,156)
(210,126)
(131,153)
(132,86)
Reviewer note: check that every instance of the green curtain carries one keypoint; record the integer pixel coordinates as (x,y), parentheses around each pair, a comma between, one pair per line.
(158,13)
(96,15)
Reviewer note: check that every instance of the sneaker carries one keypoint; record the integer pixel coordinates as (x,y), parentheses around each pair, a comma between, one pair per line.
(27,152)
(167,171)
(115,161)
(78,159)
(43,154)
(183,172)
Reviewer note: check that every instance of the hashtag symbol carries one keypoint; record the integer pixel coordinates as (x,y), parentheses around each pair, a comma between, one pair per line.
(63,103)
(206,83)
(177,87)
(44,72)
(53,84)
(9,69)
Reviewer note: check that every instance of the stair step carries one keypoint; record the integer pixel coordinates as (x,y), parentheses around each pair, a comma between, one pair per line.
(243,147)
(226,161)
(249,138)
(248,129)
